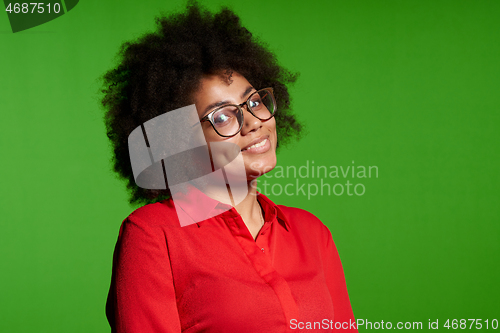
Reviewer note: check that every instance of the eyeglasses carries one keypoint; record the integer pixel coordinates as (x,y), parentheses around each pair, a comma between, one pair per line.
(227,120)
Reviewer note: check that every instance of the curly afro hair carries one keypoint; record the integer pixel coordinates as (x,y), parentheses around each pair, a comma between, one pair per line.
(161,70)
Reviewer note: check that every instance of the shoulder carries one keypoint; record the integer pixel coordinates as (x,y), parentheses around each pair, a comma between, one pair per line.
(156,214)
(304,222)
(147,225)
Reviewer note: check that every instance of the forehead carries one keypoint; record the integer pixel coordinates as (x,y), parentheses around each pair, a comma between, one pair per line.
(214,88)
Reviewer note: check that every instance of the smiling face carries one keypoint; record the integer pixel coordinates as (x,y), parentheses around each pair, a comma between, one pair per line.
(257,139)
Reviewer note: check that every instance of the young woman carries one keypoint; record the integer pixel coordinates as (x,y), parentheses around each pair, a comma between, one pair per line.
(249,266)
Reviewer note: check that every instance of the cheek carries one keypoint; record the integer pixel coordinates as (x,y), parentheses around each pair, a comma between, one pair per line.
(209,133)
(274,134)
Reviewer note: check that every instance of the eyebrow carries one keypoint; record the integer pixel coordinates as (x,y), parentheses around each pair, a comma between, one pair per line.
(247,91)
(221,103)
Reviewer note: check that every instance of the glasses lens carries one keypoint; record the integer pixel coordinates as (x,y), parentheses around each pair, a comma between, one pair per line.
(262,104)
(227,120)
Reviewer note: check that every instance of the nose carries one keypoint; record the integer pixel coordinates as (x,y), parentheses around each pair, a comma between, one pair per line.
(250,122)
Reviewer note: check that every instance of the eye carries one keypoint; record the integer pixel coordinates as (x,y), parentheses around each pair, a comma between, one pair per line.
(225,116)
(255,102)
(220,119)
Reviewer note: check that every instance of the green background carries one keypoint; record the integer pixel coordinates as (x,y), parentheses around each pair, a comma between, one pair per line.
(409,86)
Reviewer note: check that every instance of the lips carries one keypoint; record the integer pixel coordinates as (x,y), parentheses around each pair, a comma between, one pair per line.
(256,143)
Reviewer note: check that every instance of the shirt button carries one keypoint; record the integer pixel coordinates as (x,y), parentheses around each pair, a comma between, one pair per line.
(262,249)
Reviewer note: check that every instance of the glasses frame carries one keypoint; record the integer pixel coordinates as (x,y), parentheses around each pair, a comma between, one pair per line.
(209,117)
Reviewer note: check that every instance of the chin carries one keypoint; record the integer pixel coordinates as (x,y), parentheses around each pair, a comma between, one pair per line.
(258,168)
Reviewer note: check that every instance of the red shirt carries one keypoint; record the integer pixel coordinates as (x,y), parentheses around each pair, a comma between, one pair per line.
(212,276)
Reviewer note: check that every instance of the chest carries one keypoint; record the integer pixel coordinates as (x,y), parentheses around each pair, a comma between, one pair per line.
(225,282)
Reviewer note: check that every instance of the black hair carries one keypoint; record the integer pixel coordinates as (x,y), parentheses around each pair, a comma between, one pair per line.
(161,70)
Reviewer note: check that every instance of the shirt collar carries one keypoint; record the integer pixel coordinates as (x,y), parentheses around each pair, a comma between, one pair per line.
(199,207)
(270,209)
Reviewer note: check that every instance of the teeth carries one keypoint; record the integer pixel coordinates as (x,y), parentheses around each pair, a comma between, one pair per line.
(260,144)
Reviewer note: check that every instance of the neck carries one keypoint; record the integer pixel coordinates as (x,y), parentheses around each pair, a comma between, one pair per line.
(249,208)
(250,211)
